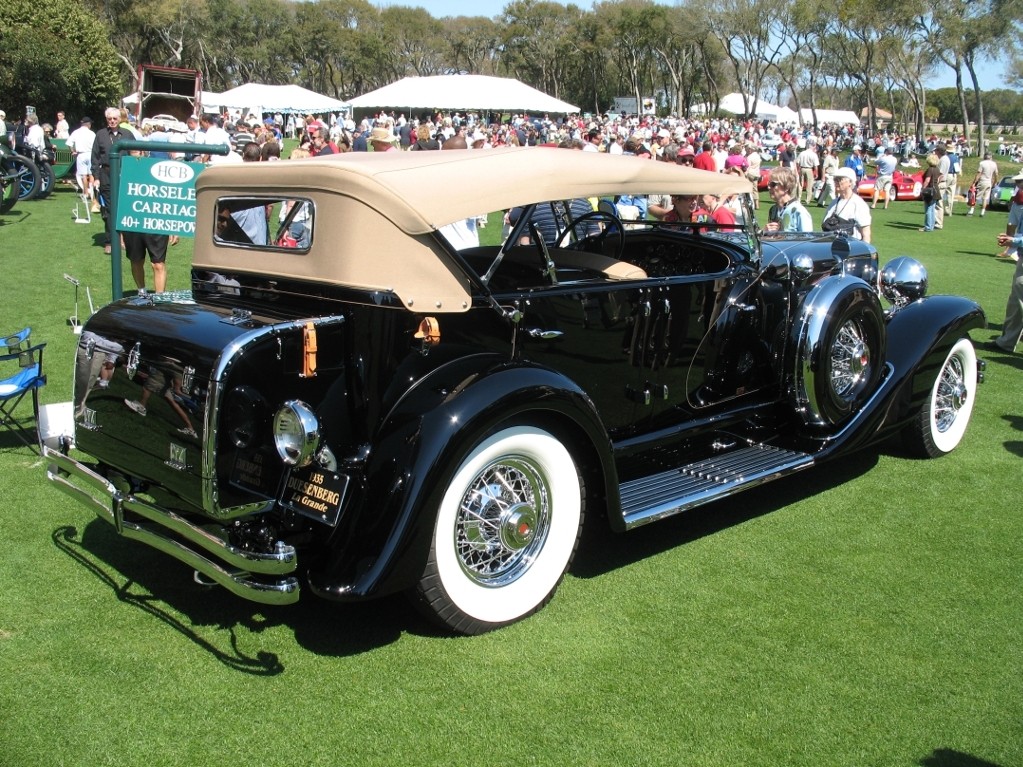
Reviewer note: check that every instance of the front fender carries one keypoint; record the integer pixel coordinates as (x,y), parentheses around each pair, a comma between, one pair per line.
(919,338)
(419,446)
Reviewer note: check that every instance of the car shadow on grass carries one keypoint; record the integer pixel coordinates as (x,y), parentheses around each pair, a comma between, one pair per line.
(602,551)
(948,757)
(220,623)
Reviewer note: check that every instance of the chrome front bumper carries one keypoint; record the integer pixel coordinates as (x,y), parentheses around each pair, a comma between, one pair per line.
(231,567)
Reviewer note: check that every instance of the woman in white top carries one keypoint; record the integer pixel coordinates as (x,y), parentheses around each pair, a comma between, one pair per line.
(853,213)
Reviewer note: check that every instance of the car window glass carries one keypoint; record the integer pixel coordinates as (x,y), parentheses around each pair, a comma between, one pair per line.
(265,223)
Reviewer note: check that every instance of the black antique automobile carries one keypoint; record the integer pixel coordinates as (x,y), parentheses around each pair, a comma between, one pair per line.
(381,405)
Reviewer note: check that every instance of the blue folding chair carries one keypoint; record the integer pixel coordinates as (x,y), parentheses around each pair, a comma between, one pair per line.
(29,378)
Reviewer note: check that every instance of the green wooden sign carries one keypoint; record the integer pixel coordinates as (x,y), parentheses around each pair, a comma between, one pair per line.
(157,196)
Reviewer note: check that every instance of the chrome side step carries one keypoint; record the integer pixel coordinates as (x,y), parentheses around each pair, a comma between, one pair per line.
(235,568)
(661,495)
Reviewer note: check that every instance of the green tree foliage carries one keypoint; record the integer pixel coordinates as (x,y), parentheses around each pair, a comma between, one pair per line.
(843,54)
(55,56)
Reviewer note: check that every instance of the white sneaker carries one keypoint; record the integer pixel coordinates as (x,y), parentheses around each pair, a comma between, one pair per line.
(138,407)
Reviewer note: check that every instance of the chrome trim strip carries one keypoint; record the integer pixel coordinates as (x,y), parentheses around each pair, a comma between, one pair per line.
(227,358)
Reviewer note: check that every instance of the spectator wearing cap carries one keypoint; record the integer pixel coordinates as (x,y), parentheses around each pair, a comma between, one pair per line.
(848,206)
(360,142)
(383,140)
(661,139)
(855,163)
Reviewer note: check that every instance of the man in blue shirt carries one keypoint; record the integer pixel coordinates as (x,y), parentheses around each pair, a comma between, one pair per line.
(855,162)
(886,165)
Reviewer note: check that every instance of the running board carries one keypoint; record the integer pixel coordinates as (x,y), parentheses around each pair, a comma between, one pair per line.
(649,499)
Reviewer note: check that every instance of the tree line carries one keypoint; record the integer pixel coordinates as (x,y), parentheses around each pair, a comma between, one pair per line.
(79,55)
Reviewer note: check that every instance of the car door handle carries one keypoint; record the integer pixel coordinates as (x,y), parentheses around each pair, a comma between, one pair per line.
(544,335)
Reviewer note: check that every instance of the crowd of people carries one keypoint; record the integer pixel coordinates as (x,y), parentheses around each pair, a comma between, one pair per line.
(809,170)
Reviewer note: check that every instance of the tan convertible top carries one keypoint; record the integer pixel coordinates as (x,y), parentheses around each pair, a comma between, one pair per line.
(375,213)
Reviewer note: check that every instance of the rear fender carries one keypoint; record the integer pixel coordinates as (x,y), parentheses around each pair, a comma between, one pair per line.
(417,450)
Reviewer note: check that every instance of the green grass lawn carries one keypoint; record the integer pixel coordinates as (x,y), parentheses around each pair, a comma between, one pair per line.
(866,613)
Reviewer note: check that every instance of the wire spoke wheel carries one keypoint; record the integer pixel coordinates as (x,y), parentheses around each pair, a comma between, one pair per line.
(502,522)
(940,423)
(505,533)
(850,360)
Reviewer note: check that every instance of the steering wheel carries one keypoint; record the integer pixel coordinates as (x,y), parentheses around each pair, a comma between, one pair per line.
(614,226)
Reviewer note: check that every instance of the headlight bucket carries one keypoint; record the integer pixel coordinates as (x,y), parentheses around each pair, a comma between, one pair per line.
(903,280)
(296,432)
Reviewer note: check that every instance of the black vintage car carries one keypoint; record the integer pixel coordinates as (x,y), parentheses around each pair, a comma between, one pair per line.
(362,400)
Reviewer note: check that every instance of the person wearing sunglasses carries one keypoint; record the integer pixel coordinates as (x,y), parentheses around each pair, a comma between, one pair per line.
(787,214)
(101,149)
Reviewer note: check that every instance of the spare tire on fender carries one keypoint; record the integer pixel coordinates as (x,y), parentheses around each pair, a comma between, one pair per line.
(839,349)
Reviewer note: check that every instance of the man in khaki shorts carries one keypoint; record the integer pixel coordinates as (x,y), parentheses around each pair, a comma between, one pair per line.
(987,172)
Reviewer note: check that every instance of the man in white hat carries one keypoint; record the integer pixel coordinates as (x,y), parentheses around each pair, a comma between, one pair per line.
(383,140)
(479,139)
(849,212)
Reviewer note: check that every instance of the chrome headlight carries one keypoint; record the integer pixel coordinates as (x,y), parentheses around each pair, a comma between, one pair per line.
(296,432)
(903,280)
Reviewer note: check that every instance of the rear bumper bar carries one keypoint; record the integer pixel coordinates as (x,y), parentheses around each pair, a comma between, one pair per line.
(259,577)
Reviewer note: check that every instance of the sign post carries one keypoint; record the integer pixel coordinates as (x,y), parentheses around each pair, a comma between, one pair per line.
(151,195)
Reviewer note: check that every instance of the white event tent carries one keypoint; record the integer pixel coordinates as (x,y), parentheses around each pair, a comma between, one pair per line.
(286,99)
(479,93)
(764,110)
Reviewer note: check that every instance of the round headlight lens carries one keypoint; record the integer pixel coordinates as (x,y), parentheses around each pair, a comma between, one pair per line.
(296,433)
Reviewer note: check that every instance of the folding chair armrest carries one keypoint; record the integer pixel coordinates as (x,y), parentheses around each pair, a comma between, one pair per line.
(15,338)
(38,348)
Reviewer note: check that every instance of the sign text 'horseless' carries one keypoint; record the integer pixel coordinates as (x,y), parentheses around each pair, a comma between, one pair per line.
(157,196)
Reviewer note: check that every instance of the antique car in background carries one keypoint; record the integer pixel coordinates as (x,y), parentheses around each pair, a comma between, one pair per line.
(1002,193)
(391,407)
(907,186)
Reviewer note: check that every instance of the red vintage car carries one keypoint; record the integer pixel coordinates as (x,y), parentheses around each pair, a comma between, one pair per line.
(907,187)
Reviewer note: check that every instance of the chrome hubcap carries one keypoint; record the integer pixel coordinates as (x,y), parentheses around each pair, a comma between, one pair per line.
(502,522)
